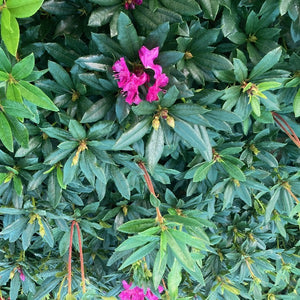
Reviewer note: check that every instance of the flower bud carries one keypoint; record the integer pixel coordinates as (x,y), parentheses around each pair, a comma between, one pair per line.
(156,123)
(170,121)
(164,113)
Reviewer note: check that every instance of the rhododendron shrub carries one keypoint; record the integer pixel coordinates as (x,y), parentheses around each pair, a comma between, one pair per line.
(149,149)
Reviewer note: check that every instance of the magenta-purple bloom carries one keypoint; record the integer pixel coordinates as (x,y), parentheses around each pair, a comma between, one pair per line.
(130,82)
(22,275)
(130,4)
(131,294)
(122,74)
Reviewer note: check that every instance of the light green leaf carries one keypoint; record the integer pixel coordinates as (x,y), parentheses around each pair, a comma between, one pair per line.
(255,104)
(23,68)
(13,93)
(140,253)
(202,171)
(233,170)
(296,104)
(10,32)
(36,96)
(5,133)
(23,8)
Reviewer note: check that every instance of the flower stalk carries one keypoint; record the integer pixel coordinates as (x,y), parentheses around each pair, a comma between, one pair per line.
(281,122)
(151,190)
(70,259)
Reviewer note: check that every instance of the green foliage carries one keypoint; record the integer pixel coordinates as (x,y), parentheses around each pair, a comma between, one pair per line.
(220,144)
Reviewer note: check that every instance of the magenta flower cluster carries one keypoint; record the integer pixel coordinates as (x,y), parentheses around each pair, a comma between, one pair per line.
(137,293)
(130,4)
(130,82)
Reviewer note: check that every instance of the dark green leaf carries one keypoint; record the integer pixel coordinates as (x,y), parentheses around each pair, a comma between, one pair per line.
(134,134)
(266,63)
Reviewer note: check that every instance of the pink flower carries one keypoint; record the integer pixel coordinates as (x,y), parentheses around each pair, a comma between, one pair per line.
(131,294)
(130,82)
(150,295)
(160,289)
(122,74)
(22,275)
(161,81)
(148,56)
(130,4)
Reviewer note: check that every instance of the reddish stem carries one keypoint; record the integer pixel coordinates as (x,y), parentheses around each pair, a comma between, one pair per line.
(151,189)
(70,258)
(281,122)
(81,258)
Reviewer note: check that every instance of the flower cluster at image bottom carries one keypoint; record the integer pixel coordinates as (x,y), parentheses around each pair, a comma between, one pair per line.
(137,293)
(130,82)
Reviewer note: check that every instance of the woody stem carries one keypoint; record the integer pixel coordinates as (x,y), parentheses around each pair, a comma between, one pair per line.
(151,189)
(81,258)
(293,195)
(70,260)
(292,135)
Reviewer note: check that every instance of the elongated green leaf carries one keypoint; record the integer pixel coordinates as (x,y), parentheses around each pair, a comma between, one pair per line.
(5,64)
(13,93)
(97,111)
(16,109)
(120,181)
(157,37)
(102,15)
(296,104)
(174,279)
(23,68)
(184,7)
(77,130)
(190,135)
(255,104)
(180,251)
(23,8)
(134,134)
(5,132)
(240,70)
(10,32)
(136,241)
(266,63)
(143,251)
(210,8)
(271,204)
(159,267)
(36,96)
(233,170)
(136,226)
(154,148)
(128,37)
(19,131)
(202,171)
(167,58)
(107,46)
(61,76)
(170,97)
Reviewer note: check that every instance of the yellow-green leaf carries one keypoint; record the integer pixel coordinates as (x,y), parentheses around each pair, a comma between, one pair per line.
(10,32)
(23,8)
